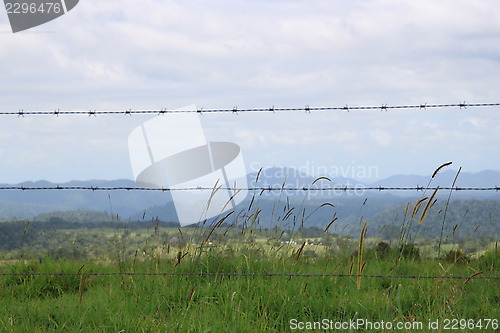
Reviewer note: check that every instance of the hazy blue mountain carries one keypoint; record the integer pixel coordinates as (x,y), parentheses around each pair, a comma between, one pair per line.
(470,218)
(350,207)
(276,176)
(147,205)
(124,203)
(487,178)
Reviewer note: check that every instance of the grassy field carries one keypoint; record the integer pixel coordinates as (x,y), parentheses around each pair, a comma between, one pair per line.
(251,303)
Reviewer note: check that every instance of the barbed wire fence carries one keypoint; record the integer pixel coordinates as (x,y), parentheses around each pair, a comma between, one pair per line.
(236,110)
(257,188)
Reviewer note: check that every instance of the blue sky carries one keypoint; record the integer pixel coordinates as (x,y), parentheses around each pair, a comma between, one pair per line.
(117,55)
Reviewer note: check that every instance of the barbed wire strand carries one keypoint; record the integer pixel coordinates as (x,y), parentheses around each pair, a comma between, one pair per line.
(235,110)
(446,277)
(257,188)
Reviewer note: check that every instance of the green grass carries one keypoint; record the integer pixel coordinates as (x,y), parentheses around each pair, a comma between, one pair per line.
(240,303)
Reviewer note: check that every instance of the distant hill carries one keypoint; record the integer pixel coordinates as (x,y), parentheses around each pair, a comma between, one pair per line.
(487,178)
(464,219)
(277,176)
(18,203)
(147,205)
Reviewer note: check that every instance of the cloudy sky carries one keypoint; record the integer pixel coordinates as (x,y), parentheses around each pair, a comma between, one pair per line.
(149,54)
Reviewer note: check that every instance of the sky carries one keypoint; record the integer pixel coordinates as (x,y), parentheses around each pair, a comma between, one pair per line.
(150,54)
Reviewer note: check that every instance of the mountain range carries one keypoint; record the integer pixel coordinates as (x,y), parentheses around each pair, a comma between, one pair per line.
(146,205)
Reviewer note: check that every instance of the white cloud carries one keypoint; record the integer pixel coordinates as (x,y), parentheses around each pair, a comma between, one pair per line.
(473,122)
(155,54)
(381,137)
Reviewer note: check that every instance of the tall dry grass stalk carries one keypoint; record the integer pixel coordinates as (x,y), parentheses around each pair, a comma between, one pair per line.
(81,286)
(331,222)
(446,211)
(297,254)
(417,207)
(429,204)
(439,168)
(418,204)
(361,265)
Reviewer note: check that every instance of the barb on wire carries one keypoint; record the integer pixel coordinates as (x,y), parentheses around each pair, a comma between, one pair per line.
(308,109)
(256,188)
(218,274)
